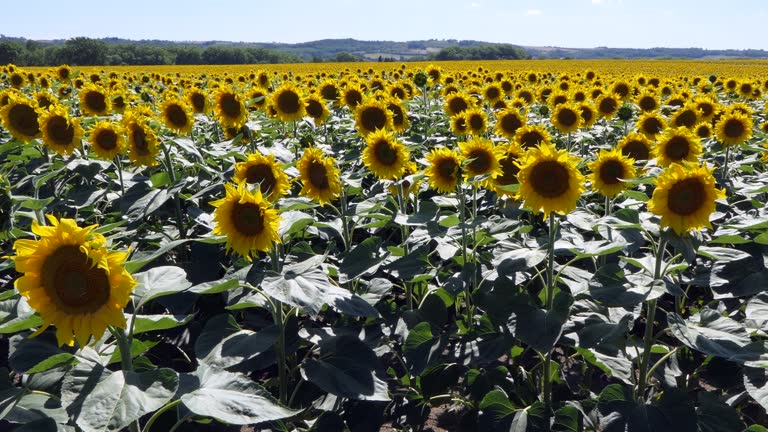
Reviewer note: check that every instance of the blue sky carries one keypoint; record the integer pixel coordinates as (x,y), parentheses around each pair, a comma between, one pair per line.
(738,24)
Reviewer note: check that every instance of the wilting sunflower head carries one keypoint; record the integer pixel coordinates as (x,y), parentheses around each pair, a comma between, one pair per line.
(94,100)
(476,121)
(610,171)
(530,136)
(549,180)
(733,128)
(288,102)
(143,145)
(177,116)
(685,197)
(677,145)
(372,115)
(72,280)
(61,133)
(319,176)
(107,139)
(508,121)
(651,125)
(247,219)
(384,156)
(316,108)
(567,118)
(263,170)
(228,107)
(480,157)
(636,146)
(442,170)
(20,117)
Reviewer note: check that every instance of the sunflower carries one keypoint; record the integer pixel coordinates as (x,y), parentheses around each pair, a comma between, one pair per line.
(443,169)
(686,116)
(319,176)
(247,219)
(607,105)
(636,146)
(608,171)
(288,102)
(532,135)
(647,101)
(549,180)
(264,171)
(45,99)
(707,107)
(510,154)
(651,124)
(20,118)
(384,156)
(119,102)
(257,98)
(72,280)
(229,108)
(480,157)
(733,128)
(622,89)
(177,116)
(685,197)
(677,145)
(476,120)
(457,103)
(16,80)
(63,72)
(198,100)
(400,122)
(492,93)
(459,125)
(703,130)
(94,100)
(567,118)
(142,141)
(330,91)
(508,121)
(371,116)
(315,107)
(61,133)
(352,96)
(107,139)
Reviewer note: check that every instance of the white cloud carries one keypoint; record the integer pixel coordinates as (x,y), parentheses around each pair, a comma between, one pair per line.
(533,12)
(475,4)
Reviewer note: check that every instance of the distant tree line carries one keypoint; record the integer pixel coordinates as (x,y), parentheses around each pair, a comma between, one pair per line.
(482,52)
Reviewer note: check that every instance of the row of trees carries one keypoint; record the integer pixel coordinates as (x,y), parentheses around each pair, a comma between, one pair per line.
(482,52)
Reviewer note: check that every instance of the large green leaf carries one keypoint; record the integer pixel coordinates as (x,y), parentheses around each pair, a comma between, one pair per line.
(613,287)
(101,400)
(232,398)
(147,323)
(541,329)
(37,355)
(713,334)
(620,412)
(714,415)
(241,346)
(422,348)
(159,282)
(756,383)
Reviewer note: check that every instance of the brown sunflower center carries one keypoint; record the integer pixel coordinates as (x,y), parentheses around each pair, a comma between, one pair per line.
(446,168)
(73,281)
(353,98)
(677,148)
(460,124)
(140,144)
(636,150)
(481,161)
(314,108)
(586,114)
(176,116)
(17,80)
(611,171)
(647,103)
(492,93)
(510,123)
(398,117)
(95,101)
(686,197)
(734,128)
(457,105)
(549,179)
(262,174)
(531,139)
(385,153)
(198,102)
(230,106)
(608,106)
(106,139)
(24,118)
(373,118)
(686,118)
(329,92)
(567,117)
(318,175)
(509,171)
(706,109)
(248,218)
(60,131)
(652,126)
(288,102)
(476,122)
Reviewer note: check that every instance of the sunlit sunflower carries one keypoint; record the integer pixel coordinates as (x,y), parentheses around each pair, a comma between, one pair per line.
(459,125)
(352,96)
(588,113)
(384,156)
(288,102)
(372,115)
(177,116)
(45,99)
(609,171)
(508,121)
(16,80)
(72,280)
(247,219)
(257,98)
(510,153)
(457,103)
(400,122)
(549,180)
(733,128)
(492,93)
(677,145)
(107,139)
(442,170)
(647,101)
(651,124)
(480,157)
(707,107)
(476,120)
(94,100)
(607,105)
(685,197)
(319,176)
(198,100)
(566,117)
(686,116)
(263,170)
(315,106)
(142,141)
(63,72)
(636,146)
(61,133)
(229,108)
(532,135)
(703,130)
(20,118)
(330,91)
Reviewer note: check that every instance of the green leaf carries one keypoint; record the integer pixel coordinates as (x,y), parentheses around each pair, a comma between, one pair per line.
(136,264)
(716,416)
(497,404)
(722,254)
(541,329)
(101,400)
(54,361)
(215,287)
(232,398)
(712,334)
(568,419)
(293,222)
(362,259)
(159,282)
(19,324)
(756,384)
(240,347)
(421,348)
(147,323)
(35,407)
(612,287)
(37,355)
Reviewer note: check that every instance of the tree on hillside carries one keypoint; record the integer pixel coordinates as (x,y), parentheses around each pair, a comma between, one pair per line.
(83,51)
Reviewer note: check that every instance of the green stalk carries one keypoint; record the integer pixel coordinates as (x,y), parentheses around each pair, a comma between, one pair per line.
(126,361)
(549,300)
(160,412)
(280,319)
(725,165)
(464,245)
(404,233)
(119,166)
(650,316)
(176,200)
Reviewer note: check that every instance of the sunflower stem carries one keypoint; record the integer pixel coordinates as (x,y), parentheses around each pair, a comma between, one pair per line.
(159,412)
(549,300)
(119,166)
(464,241)
(280,319)
(176,200)
(725,165)
(404,233)
(343,214)
(126,360)
(650,316)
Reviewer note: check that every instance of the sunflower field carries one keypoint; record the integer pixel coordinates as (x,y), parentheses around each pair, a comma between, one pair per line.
(466,246)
